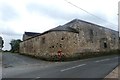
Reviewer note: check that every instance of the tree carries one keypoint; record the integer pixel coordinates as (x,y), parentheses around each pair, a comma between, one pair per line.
(15,45)
(2,43)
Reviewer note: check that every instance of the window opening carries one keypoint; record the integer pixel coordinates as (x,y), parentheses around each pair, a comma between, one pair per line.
(43,40)
(105,45)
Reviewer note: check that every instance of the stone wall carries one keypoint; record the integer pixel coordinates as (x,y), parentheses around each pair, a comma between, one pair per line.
(91,38)
(51,43)
(94,37)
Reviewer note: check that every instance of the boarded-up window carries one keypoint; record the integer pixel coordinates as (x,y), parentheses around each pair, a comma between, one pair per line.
(113,39)
(91,35)
(24,45)
(43,40)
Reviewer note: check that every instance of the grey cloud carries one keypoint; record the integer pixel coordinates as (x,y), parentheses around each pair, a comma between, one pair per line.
(102,22)
(5,30)
(51,11)
(98,18)
(8,13)
(58,14)
(8,34)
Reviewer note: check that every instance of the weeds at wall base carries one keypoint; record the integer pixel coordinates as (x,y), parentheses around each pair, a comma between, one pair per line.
(76,56)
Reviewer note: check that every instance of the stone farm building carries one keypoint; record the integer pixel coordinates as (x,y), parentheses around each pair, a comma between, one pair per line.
(74,37)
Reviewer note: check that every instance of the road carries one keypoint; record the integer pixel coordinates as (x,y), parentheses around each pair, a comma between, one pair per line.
(97,67)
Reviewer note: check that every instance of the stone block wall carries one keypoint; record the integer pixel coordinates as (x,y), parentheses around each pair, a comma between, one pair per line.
(51,43)
(91,38)
(94,37)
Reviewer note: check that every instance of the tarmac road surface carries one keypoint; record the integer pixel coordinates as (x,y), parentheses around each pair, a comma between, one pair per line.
(25,67)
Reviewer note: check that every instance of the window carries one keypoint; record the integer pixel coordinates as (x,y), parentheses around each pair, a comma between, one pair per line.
(91,32)
(36,38)
(91,35)
(43,39)
(24,45)
(113,38)
(105,45)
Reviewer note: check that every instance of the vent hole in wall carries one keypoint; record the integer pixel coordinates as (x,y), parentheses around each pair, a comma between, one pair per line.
(52,46)
(62,38)
(60,45)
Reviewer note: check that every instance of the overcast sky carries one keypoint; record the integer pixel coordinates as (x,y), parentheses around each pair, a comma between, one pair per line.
(18,16)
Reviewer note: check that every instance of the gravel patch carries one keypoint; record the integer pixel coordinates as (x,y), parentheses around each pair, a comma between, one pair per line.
(115,73)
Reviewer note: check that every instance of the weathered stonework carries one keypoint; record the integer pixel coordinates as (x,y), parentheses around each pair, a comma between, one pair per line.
(89,38)
(28,35)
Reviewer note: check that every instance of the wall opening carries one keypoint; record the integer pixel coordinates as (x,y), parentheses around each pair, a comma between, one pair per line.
(60,45)
(75,43)
(43,40)
(91,34)
(113,38)
(105,45)
(52,46)
(62,38)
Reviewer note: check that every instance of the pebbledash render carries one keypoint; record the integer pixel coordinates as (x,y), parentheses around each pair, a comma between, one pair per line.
(75,37)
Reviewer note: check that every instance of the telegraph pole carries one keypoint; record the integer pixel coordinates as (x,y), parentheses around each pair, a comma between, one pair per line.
(119,18)
(119,23)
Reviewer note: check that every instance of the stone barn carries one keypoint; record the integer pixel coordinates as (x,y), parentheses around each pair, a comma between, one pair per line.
(74,37)
(28,35)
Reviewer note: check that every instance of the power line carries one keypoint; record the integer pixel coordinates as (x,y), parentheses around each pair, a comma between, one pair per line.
(88,12)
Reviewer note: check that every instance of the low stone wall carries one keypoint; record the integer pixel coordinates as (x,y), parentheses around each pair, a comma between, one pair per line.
(76,56)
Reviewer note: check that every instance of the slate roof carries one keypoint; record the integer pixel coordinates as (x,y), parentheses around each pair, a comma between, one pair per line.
(62,28)
(69,26)
(74,21)
(59,28)
(31,33)
(66,27)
